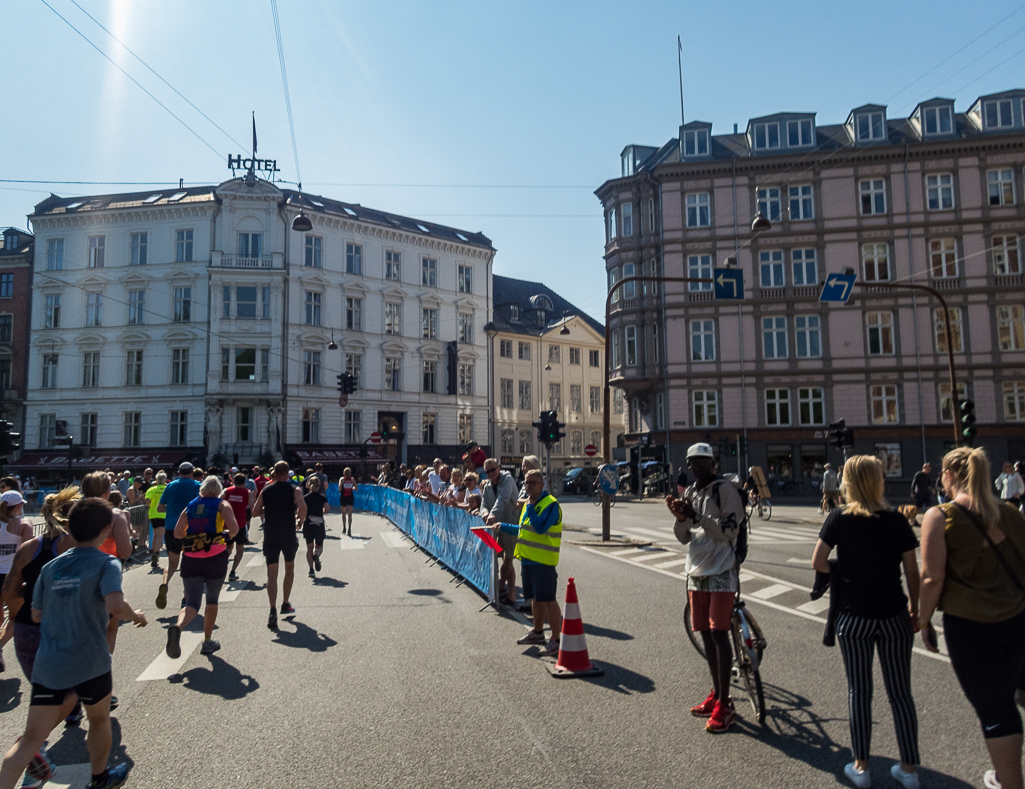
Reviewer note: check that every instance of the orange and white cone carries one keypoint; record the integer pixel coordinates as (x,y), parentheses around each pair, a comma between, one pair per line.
(573,660)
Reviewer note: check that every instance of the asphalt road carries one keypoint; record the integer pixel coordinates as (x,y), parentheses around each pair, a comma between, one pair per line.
(390,675)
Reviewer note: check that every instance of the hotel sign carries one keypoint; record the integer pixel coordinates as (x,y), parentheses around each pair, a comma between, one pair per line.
(264,165)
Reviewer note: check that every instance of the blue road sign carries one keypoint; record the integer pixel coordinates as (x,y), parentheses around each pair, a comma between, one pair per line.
(837,287)
(608,479)
(728,283)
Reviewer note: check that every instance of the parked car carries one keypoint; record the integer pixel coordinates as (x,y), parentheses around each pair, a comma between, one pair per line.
(579,480)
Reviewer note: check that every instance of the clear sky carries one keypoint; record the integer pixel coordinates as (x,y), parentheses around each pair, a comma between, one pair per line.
(494,117)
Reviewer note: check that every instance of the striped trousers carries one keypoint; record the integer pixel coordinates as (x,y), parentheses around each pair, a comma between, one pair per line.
(858,638)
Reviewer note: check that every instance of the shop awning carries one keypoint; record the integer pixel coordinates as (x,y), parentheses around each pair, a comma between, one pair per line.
(39,462)
(348,454)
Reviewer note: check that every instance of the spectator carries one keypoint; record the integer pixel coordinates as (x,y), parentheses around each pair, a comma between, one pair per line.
(1009,485)
(681,482)
(124,483)
(473,504)
(830,489)
(498,499)
(455,496)
(921,488)
(476,456)
(434,476)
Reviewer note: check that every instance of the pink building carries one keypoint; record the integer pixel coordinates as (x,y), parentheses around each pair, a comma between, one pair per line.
(932,199)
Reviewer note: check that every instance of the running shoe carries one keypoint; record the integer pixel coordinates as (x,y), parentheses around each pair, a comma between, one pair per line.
(162,597)
(232,576)
(860,778)
(532,637)
(313,575)
(174,637)
(40,769)
(116,776)
(154,560)
(989,779)
(287,608)
(551,648)
(705,708)
(721,718)
(272,620)
(113,703)
(316,563)
(907,780)
(75,716)
(209,647)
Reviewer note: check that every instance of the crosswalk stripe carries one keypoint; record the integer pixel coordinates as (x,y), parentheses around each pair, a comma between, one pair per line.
(653,555)
(815,606)
(349,544)
(779,531)
(745,577)
(628,552)
(674,563)
(163,666)
(231,591)
(257,561)
(658,535)
(394,539)
(69,775)
(768,592)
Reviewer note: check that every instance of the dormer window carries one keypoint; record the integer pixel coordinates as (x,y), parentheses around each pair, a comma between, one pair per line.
(542,317)
(514,313)
(695,142)
(765,136)
(937,120)
(800,133)
(997,114)
(870,126)
(11,241)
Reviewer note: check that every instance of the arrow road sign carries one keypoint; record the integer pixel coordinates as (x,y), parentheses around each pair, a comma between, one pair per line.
(837,287)
(728,284)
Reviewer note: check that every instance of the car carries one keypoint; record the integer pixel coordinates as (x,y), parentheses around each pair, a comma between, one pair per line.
(578,480)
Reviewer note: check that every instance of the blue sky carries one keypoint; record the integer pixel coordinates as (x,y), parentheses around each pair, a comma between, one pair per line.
(499,118)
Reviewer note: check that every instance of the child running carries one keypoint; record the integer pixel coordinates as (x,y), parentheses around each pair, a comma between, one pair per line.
(347,491)
(313,528)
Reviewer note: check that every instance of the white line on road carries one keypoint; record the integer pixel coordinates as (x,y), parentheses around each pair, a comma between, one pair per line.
(795,560)
(653,555)
(163,666)
(658,535)
(256,561)
(815,606)
(350,544)
(674,563)
(231,591)
(768,592)
(628,552)
(394,539)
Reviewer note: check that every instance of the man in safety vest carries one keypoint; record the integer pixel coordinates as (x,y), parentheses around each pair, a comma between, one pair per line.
(537,547)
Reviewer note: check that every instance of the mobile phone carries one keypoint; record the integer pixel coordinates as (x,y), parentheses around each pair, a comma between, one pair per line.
(930,636)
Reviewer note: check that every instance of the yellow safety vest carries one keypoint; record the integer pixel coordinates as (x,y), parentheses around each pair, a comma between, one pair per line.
(535,547)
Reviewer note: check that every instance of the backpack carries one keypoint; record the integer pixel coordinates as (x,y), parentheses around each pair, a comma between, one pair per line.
(740,548)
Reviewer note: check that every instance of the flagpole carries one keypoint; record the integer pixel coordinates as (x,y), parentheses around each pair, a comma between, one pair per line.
(679,63)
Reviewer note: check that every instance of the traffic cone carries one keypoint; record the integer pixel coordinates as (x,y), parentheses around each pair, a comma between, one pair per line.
(573,660)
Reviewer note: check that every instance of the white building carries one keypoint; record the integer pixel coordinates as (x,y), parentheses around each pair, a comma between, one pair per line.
(195,322)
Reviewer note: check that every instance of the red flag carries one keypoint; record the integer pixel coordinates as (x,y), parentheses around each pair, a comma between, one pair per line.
(485,535)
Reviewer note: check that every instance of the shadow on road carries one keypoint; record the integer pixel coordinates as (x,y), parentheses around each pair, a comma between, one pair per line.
(334,583)
(606,632)
(621,680)
(426,592)
(219,679)
(69,744)
(10,694)
(303,637)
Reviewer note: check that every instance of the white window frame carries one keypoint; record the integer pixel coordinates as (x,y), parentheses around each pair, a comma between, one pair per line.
(811,405)
(876,256)
(993,115)
(393,373)
(771,269)
(804,266)
(183,245)
(353,313)
(429,323)
(428,272)
(90,369)
(49,370)
(870,126)
(943,263)
(939,332)
(769,202)
(1013,393)
(465,379)
(133,428)
(884,404)
(526,395)
(52,311)
(803,130)
(880,333)
(97,248)
(702,340)
(136,307)
(872,196)
(705,408)
(138,248)
(699,267)
(1006,255)
(774,337)
(765,136)
(353,258)
(505,391)
(393,265)
(628,219)
(699,209)
(1000,187)
(802,202)
(939,191)
(630,345)
(179,366)
(430,376)
(464,280)
(695,142)
(808,336)
(777,407)
(314,252)
(1010,327)
(937,116)
(392,318)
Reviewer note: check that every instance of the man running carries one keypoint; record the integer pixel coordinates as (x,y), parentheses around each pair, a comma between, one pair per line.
(240,497)
(156,517)
(173,501)
(283,510)
(314,528)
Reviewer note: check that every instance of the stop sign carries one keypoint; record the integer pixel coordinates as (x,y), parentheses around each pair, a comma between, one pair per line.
(590,450)
(375,438)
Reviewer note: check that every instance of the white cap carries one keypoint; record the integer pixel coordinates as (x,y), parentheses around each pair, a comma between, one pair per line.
(700,450)
(12,498)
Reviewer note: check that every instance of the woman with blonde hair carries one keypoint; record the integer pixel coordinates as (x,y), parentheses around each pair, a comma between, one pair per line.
(973,568)
(872,543)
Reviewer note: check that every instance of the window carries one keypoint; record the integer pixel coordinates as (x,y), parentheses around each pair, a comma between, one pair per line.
(429,323)
(706,409)
(97,249)
(250,245)
(137,247)
(179,365)
(466,328)
(87,433)
(179,428)
(660,410)
(136,306)
(595,399)
(594,358)
(314,252)
(617,359)
(630,333)
(946,406)
(264,365)
(430,377)
(777,407)
(1014,400)
(391,318)
(52,311)
(574,356)
(524,351)
(875,262)
(937,120)
(47,430)
(805,267)
(427,428)
(6,328)
(873,196)
(766,136)
(698,211)
(93,309)
(225,363)
(883,403)
(91,369)
(771,268)
(313,304)
(353,427)
(49,371)
(354,366)
(1010,327)
(596,439)
(997,114)
(526,442)
(508,441)
(613,279)
(311,425)
(555,396)
(465,379)
(226,301)
(514,313)
(353,258)
(617,401)
(802,204)
(392,374)
(774,337)
(465,428)
(1001,187)
(505,349)
(1005,255)
(808,333)
(554,354)
(525,390)
(695,142)
(182,251)
(943,258)
(11,241)
(939,191)
(575,398)
(133,368)
(940,330)
(506,392)
(245,364)
(393,265)
(429,272)
(800,133)
(576,442)
(465,279)
(55,254)
(244,424)
(769,202)
(311,368)
(880,333)
(133,428)
(699,267)
(811,406)
(651,215)
(870,126)
(182,305)
(628,219)
(702,341)
(353,314)
(265,301)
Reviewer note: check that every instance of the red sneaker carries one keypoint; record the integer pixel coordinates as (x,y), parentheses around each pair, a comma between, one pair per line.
(704,709)
(721,718)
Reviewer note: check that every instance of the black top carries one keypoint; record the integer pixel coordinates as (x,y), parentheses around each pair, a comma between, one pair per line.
(921,484)
(278,509)
(45,552)
(315,501)
(870,552)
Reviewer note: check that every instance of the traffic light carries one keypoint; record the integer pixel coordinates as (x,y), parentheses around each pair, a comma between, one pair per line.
(724,447)
(351,383)
(9,440)
(733,449)
(837,431)
(743,445)
(542,425)
(968,430)
(341,383)
(555,433)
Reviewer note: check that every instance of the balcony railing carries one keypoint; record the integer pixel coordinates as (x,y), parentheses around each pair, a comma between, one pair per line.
(1010,281)
(234,261)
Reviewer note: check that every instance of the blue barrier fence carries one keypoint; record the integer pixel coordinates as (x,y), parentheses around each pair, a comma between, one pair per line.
(443,532)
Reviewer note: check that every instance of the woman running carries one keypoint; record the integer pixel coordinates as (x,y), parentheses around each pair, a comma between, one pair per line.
(13,532)
(347,492)
(313,527)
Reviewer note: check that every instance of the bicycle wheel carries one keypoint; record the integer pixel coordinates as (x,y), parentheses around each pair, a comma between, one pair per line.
(765,509)
(695,639)
(750,510)
(749,676)
(596,498)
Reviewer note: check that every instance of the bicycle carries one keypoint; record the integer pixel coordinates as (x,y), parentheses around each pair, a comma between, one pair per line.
(596,498)
(748,648)
(756,503)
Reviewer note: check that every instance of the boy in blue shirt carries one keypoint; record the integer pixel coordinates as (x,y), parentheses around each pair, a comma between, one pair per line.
(74,597)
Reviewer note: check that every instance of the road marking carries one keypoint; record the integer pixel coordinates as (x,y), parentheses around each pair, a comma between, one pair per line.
(768,592)
(628,552)
(745,576)
(349,544)
(394,539)
(69,775)
(163,666)
(815,606)
(232,590)
(795,560)
(257,561)
(763,535)
(674,563)
(658,535)
(653,555)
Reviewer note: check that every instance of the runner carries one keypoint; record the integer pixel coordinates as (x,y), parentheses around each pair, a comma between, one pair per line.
(156,518)
(201,528)
(347,490)
(13,532)
(241,499)
(313,528)
(173,501)
(283,510)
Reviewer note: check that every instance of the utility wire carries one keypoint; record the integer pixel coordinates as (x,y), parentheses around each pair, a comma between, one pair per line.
(284,83)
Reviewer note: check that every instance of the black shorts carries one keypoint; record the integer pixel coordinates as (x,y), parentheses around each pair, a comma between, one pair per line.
(156,523)
(314,532)
(174,545)
(242,538)
(89,692)
(348,501)
(204,575)
(540,582)
(273,549)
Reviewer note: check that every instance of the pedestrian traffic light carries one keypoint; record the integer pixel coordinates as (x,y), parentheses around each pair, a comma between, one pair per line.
(968,430)
(341,383)
(733,449)
(743,445)
(9,440)
(836,432)
(555,433)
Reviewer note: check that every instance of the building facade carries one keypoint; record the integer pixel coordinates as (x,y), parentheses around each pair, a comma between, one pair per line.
(933,199)
(15,317)
(196,323)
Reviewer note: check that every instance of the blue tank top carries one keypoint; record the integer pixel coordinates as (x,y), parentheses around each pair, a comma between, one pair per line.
(206,525)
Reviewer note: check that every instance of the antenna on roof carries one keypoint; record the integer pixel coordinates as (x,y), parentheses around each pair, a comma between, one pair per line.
(679,64)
